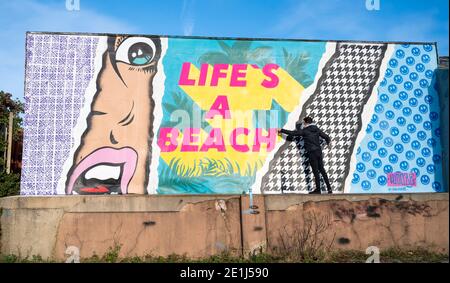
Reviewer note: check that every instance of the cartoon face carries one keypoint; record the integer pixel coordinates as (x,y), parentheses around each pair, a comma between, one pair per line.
(115,149)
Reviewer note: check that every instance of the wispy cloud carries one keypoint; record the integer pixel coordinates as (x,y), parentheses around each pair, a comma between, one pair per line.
(320,19)
(21,16)
(187,17)
(343,19)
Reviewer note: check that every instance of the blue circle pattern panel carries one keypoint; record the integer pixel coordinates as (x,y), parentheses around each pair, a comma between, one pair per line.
(403,134)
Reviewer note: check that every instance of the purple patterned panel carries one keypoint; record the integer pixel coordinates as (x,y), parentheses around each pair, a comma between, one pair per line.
(58,71)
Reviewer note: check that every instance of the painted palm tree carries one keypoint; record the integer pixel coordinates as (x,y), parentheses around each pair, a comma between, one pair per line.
(296,65)
(180,101)
(206,176)
(240,52)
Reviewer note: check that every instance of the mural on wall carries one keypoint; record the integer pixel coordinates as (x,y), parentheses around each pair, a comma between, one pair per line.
(124,114)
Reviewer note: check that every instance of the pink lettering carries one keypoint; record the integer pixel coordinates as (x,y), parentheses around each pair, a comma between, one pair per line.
(233,139)
(219,107)
(268,71)
(168,135)
(237,73)
(184,76)
(270,139)
(214,140)
(218,72)
(203,74)
(189,137)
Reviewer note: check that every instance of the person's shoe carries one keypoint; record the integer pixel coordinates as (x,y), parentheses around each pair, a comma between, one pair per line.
(315,192)
(330,191)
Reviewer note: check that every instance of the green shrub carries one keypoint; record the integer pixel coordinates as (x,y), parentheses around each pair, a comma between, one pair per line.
(112,255)
(9,184)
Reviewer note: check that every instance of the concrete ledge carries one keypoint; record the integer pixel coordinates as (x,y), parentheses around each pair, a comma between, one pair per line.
(284,201)
(125,203)
(204,225)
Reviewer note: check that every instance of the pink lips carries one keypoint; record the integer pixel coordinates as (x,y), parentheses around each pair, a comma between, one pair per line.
(126,156)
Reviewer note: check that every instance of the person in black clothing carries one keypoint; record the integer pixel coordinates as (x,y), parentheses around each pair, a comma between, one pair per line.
(311,137)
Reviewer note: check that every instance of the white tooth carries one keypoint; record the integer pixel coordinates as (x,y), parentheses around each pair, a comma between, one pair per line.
(103,172)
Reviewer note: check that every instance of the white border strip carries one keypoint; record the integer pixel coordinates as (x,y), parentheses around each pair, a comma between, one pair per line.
(158,93)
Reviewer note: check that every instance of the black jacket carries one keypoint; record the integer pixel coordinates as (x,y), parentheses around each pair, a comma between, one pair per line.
(310,136)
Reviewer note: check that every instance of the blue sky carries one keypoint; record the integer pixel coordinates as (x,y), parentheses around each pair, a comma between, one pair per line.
(396,20)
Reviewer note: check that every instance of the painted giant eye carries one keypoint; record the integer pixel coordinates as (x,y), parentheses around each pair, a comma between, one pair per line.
(136,51)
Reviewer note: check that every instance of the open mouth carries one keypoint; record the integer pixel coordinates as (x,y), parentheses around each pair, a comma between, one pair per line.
(100,179)
(104,171)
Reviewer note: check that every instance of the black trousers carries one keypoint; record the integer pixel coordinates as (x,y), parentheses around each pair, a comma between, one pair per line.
(316,162)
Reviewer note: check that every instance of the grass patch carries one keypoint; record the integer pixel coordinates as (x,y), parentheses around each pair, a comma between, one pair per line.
(393,255)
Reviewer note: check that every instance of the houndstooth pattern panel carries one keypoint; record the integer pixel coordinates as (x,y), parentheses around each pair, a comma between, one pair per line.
(336,106)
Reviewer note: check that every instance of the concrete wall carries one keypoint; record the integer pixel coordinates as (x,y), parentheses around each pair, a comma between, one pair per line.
(357,222)
(200,226)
